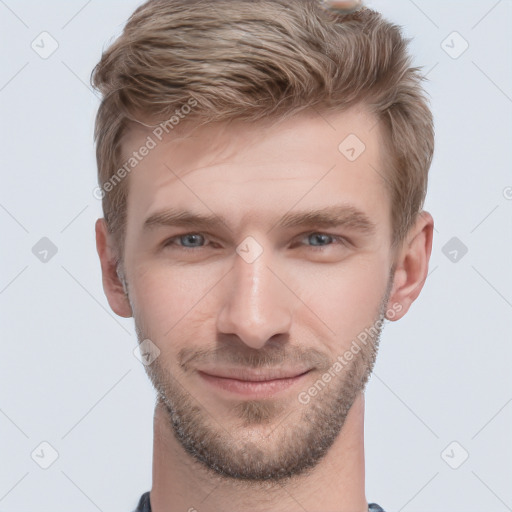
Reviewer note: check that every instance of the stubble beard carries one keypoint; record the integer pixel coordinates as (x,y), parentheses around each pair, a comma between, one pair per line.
(270,439)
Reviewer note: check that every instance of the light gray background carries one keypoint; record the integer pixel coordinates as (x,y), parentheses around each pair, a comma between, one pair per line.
(68,373)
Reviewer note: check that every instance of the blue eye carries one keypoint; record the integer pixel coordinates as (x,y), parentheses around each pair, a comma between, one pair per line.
(320,237)
(193,238)
(323,241)
(317,241)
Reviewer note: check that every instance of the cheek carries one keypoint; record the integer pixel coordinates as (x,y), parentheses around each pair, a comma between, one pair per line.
(345,298)
(169,300)
(336,301)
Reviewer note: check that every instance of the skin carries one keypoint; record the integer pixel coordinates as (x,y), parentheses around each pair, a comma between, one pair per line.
(201,303)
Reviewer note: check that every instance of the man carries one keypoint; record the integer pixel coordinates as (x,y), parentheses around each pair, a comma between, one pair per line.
(263,166)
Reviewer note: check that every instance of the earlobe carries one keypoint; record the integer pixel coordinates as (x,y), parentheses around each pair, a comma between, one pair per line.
(112,277)
(412,265)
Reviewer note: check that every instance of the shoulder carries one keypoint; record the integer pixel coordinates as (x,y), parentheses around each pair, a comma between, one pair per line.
(144,504)
(373,507)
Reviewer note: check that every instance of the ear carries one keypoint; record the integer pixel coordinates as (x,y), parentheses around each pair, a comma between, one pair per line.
(112,285)
(411,265)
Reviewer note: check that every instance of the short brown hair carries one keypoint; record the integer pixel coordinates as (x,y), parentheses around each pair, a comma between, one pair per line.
(256,59)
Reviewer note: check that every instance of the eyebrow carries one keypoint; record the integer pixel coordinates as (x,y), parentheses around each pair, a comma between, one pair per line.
(328,217)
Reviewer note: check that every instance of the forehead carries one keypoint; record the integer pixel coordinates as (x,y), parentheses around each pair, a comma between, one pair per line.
(243,169)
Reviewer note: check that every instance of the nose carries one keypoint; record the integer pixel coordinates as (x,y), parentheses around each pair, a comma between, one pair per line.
(257,305)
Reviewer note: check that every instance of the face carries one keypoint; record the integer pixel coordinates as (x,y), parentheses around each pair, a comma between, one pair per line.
(260,251)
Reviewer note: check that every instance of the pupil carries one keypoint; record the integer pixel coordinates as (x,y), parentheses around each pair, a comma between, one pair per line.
(320,237)
(191,238)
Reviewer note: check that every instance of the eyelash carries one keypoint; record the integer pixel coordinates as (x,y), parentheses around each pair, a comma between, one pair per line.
(341,241)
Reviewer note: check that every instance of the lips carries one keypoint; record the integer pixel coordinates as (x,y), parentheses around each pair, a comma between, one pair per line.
(250,384)
(255,376)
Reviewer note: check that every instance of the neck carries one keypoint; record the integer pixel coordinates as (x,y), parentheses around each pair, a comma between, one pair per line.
(336,484)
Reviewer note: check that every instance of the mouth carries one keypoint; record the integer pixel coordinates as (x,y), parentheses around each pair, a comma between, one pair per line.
(253,384)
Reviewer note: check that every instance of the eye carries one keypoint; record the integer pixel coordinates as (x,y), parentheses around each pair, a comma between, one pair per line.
(317,241)
(323,240)
(186,241)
